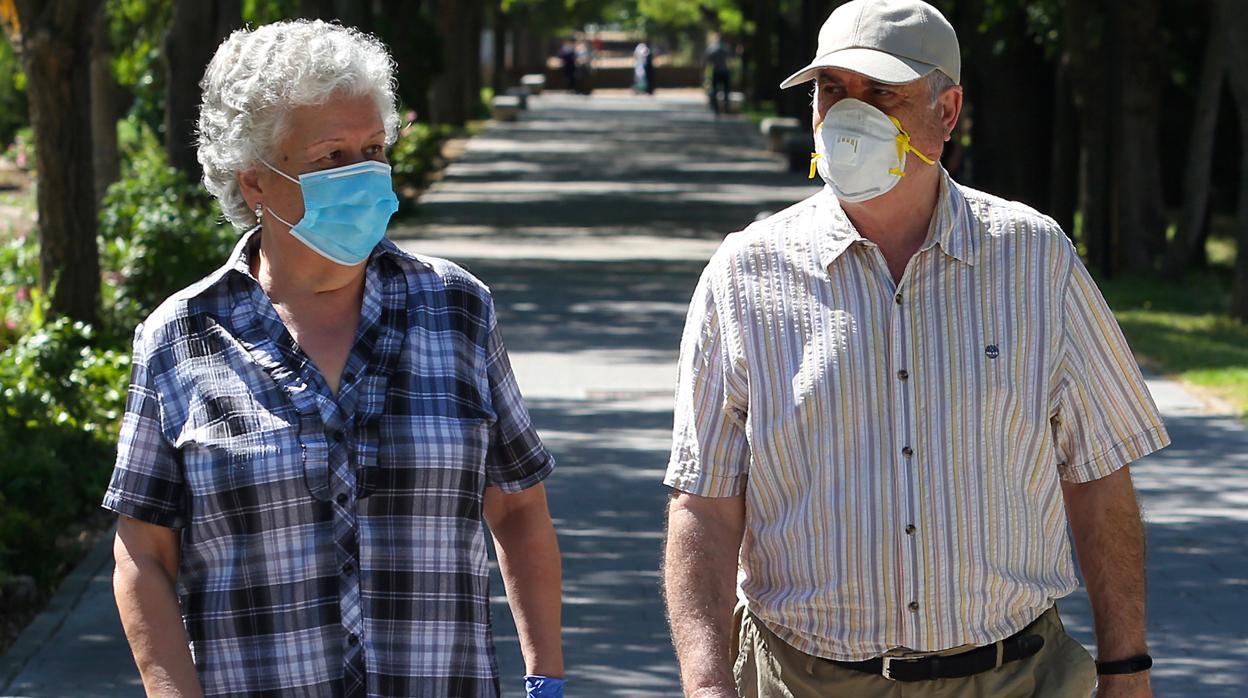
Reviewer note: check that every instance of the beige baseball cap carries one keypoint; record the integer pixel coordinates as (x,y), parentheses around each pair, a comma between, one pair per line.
(890,41)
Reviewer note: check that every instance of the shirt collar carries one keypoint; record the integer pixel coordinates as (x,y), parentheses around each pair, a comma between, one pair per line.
(948,229)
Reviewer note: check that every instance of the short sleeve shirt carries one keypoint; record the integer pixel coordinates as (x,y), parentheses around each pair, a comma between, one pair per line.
(330,544)
(900,445)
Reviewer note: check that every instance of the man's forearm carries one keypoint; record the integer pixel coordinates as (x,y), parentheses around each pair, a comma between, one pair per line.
(528,558)
(149,611)
(699,575)
(1109,539)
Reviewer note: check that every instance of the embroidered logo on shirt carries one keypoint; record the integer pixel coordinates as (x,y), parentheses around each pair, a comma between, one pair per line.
(991,351)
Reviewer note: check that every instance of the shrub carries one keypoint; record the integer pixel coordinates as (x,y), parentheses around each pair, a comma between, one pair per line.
(159,232)
(415,155)
(59,411)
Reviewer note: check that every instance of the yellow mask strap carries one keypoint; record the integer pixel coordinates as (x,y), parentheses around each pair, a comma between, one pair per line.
(903,145)
(814,157)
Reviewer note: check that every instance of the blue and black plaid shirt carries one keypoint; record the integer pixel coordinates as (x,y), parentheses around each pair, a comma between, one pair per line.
(329,545)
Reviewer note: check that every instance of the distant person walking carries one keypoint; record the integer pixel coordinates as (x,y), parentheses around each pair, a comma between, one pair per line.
(567,61)
(584,67)
(641,71)
(721,76)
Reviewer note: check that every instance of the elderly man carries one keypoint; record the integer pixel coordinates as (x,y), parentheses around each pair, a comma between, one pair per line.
(892,398)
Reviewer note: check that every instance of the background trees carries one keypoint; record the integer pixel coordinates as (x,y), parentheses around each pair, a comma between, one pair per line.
(1123,121)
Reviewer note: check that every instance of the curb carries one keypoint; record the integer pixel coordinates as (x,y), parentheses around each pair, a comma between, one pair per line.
(45,625)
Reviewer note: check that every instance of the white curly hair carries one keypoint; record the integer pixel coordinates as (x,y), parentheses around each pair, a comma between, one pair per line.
(257,76)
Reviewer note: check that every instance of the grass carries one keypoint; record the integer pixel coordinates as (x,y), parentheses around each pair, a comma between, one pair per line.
(1185,329)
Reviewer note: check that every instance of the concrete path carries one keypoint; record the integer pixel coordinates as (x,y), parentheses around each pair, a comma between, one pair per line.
(591,219)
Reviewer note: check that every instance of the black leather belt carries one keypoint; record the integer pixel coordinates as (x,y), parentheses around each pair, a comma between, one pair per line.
(1018,646)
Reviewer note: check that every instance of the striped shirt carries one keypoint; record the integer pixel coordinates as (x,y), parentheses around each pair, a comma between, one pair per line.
(900,445)
(330,544)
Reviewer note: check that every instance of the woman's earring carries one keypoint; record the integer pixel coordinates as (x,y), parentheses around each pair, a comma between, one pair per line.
(259,209)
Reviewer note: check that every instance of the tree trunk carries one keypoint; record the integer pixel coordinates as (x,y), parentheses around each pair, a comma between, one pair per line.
(1089,49)
(197,28)
(1188,248)
(498,72)
(56,56)
(1064,167)
(1142,228)
(761,50)
(450,102)
(1235,23)
(1009,115)
(105,107)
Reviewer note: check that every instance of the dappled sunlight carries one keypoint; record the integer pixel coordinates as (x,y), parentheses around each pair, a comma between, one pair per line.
(1195,500)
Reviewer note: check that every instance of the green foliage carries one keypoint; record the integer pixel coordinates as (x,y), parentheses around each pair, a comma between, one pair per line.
(137,28)
(257,12)
(723,15)
(415,155)
(556,16)
(13,114)
(159,233)
(1185,329)
(59,408)
(21,301)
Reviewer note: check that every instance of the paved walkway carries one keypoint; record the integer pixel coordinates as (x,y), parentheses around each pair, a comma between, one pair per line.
(590,219)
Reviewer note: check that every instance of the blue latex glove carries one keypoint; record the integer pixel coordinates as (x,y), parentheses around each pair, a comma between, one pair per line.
(543,687)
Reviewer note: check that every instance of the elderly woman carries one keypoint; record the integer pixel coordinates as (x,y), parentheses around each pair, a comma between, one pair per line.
(316,430)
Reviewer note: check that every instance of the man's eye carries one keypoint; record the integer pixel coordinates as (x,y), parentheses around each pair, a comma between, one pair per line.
(374,150)
(334,156)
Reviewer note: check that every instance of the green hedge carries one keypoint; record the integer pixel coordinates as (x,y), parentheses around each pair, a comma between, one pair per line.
(63,384)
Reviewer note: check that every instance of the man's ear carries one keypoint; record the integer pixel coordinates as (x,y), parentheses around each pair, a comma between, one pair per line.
(950,109)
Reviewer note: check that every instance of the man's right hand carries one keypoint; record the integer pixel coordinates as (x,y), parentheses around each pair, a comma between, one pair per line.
(699,580)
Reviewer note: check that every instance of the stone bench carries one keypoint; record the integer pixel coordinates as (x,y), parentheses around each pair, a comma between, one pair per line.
(505,107)
(520,93)
(534,83)
(775,129)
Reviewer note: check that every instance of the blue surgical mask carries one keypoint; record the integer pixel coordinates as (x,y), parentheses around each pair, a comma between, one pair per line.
(345,210)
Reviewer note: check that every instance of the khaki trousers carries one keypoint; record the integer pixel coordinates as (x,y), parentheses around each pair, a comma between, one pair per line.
(767,667)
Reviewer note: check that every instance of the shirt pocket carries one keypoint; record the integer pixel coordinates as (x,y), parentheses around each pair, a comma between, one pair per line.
(233,441)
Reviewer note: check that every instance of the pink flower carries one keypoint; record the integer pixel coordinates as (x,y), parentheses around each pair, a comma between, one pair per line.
(23,294)
(11,324)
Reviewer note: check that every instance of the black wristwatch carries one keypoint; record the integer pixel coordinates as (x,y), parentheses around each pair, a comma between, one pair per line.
(1130,665)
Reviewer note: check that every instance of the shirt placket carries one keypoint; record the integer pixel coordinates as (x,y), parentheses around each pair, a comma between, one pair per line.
(904,447)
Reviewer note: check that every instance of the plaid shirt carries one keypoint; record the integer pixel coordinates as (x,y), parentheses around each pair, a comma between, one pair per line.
(329,545)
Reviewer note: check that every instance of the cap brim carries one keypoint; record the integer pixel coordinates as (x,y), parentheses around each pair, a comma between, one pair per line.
(877,65)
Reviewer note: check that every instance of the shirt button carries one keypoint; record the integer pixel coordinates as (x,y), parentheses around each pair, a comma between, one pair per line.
(348,568)
(353,639)
(903,374)
(342,499)
(910,529)
(913,606)
(907,451)
(897,298)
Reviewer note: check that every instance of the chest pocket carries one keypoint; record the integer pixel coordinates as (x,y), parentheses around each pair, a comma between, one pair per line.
(238,436)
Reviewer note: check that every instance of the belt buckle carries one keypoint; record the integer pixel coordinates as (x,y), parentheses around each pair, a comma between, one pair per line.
(887,670)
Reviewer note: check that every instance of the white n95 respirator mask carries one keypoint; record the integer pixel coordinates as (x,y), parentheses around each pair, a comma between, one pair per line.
(860,151)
